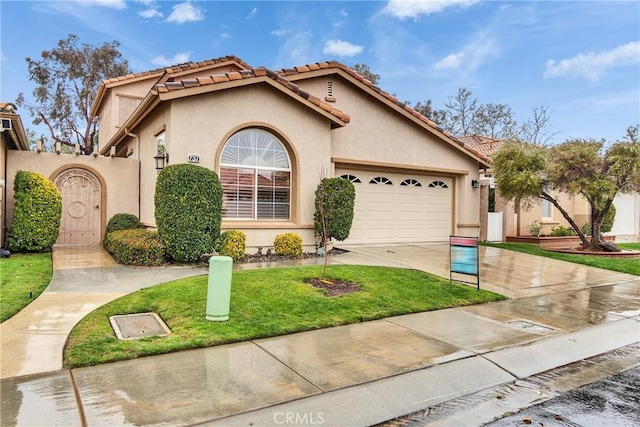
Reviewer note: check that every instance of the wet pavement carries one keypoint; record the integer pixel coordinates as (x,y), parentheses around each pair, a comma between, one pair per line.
(614,401)
(359,374)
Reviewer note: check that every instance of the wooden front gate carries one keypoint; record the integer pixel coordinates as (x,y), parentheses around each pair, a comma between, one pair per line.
(81,217)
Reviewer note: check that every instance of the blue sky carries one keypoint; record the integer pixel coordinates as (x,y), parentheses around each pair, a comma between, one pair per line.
(581,59)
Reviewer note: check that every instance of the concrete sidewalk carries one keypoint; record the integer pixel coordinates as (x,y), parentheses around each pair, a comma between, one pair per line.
(358,374)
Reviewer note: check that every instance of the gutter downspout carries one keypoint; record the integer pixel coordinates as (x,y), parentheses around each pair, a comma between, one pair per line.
(133,135)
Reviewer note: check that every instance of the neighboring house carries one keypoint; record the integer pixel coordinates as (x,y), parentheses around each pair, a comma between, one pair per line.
(271,136)
(517,222)
(12,137)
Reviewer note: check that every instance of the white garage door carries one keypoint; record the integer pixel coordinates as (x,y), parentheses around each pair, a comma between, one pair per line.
(399,208)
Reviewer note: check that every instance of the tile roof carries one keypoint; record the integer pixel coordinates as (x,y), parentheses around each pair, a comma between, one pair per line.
(248,74)
(485,145)
(173,69)
(365,81)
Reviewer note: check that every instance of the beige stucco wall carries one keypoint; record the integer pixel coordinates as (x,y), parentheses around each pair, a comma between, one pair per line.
(3,188)
(202,124)
(118,176)
(376,133)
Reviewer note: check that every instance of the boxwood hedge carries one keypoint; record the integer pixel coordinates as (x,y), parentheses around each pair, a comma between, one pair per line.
(188,210)
(36,218)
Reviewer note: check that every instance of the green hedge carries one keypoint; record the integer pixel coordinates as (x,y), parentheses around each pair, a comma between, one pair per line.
(135,247)
(36,218)
(188,210)
(123,221)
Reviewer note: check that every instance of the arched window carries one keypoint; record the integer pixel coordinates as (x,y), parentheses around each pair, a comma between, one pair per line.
(255,173)
(351,178)
(438,184)
(380,180)
(411,183)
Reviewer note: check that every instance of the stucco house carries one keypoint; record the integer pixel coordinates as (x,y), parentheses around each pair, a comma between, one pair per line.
(517,222)
(270,136)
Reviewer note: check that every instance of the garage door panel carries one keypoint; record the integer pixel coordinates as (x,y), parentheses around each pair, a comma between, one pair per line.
(400,213)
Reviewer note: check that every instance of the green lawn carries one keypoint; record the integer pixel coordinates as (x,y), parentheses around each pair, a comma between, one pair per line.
(22,278)
(264,303)
(624,265)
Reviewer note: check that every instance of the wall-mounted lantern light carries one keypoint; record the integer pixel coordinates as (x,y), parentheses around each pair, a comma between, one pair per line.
(475,183)
(161,160)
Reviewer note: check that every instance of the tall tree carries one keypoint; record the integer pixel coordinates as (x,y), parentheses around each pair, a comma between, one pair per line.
(67,79)
(365,71)
(461,112)
(536,130)
(527,172)
(433,114)
(494,120)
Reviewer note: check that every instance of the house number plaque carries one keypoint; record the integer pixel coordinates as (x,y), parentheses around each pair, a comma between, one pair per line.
(193,158)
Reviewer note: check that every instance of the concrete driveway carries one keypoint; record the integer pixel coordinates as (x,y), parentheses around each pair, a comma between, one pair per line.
(512,274)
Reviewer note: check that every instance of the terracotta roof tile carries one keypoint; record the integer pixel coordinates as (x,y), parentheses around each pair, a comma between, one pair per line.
(248,74)
(313,67)
(485,145)
(205,80)
(172,69)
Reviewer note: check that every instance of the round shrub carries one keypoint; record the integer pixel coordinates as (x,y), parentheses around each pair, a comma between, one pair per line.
(288,244)
(123,221)
(232,243)
(188,210)
(135,247)
(36,218)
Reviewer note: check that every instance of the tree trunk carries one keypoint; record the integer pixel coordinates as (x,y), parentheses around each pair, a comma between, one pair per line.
(597,243)
(572,223)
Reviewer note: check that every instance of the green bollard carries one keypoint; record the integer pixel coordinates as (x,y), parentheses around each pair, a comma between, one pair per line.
(219,288)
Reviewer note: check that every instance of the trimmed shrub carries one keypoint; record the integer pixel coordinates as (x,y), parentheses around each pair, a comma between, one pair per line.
(36,218)
(123,221)
(334,203)
(188,210)
(135,247)
(232,243)
(562,231)
(288,244)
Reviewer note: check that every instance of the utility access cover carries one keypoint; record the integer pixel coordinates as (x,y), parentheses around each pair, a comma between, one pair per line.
(133,326)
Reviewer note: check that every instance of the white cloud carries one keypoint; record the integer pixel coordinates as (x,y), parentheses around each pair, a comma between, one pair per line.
(185,12)
(450,62)
(341,48)
(113,4)
(413,8)
(253,13)
(178,58)
(591,65)
(225,36)
(150,13)
(280,32)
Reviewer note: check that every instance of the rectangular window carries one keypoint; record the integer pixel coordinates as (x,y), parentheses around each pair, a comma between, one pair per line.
(244,190)
(160,146)
(547,209)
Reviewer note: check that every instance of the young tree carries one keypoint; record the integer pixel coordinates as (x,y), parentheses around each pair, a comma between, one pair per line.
(67,79)
(526,172)
(333,216)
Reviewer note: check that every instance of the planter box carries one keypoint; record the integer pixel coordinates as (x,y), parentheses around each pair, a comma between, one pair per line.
(553,242)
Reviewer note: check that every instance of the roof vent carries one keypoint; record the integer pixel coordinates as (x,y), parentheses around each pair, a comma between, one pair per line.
(6,125)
